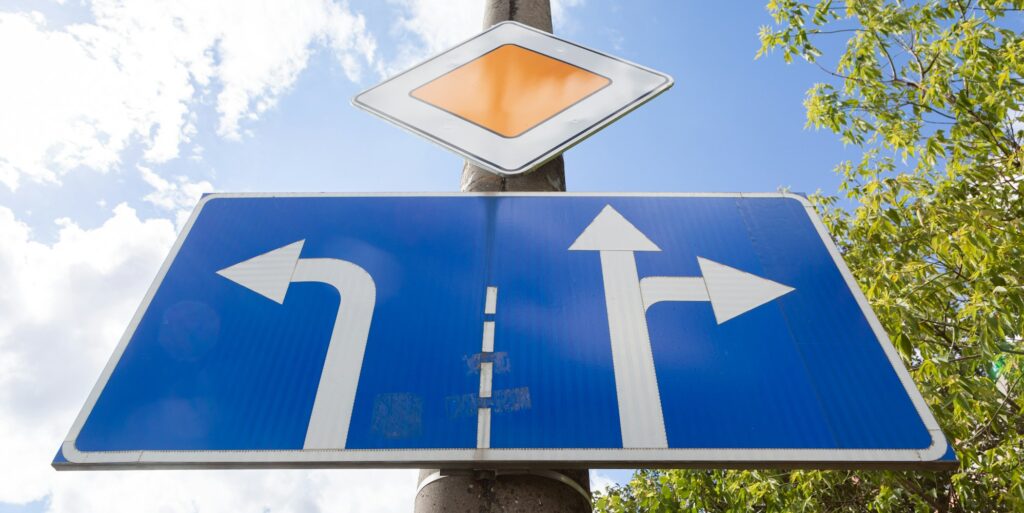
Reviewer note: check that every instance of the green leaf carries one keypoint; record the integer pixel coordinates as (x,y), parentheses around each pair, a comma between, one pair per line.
(930,223)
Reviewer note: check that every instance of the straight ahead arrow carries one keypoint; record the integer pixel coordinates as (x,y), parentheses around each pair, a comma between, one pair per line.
(730,291)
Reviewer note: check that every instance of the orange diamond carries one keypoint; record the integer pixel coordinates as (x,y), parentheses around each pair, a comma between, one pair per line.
(510,89)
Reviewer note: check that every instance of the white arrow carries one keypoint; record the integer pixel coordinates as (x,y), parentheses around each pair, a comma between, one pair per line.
(270,274)
(730,291)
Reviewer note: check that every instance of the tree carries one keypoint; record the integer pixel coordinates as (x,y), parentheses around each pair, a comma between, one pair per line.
(931,226)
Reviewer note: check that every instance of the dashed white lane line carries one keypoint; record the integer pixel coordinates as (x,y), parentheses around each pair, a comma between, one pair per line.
(483,417)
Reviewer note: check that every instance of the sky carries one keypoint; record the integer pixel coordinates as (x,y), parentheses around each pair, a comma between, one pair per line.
(117,115)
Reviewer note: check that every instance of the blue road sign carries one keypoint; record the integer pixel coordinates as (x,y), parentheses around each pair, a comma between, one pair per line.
(504,330)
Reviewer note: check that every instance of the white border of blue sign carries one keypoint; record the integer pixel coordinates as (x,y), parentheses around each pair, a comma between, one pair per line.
(931,457)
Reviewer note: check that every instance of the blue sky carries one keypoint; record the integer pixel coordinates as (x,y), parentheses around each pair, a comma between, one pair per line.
(730,124)
(119,116)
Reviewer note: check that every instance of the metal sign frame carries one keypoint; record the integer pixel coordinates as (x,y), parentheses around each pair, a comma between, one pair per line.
(631,85)
(937,455)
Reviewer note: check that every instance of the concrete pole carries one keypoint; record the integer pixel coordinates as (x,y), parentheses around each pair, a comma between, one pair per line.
(551,176)
(535,491)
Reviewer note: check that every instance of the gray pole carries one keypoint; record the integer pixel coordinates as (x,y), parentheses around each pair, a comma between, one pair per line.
(551,176)
(534,491)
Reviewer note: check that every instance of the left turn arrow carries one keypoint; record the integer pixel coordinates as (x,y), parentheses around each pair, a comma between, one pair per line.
(269,275)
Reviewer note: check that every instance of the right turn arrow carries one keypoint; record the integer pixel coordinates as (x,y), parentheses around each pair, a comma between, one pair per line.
(731,291)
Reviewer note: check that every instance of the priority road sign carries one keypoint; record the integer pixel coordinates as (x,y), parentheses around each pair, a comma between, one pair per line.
(513,97)
(419,330)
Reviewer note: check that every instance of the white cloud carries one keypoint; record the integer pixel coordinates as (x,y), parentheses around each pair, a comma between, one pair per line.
(63,307)
(246,490)
(600,482)
(560,11)
(177,196)
(426,27)
(78,96)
